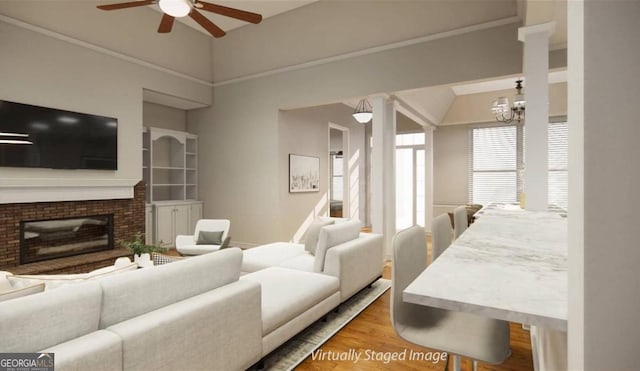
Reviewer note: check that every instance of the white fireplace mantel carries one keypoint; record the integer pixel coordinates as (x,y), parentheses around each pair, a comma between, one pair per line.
(50,190)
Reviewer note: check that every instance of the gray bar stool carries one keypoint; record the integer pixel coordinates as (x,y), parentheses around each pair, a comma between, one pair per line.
(457,333)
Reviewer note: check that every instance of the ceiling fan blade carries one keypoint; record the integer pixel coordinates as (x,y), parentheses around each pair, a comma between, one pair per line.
(166,24)
(207,24)
(230,12)
(125,5)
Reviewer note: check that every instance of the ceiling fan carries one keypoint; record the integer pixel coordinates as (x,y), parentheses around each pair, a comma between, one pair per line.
(181,8)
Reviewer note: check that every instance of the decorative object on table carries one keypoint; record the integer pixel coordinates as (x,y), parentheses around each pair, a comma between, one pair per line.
(181,8)
(141,251)
(506,113)
(363,112)
(304,173)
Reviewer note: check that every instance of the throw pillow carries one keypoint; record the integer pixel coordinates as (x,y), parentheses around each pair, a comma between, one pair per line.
(160,259)
(51,281)
(5,285)
(311,238)
(209,238)
(24,291)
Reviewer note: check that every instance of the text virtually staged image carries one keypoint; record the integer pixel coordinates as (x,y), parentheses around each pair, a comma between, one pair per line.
(319,185)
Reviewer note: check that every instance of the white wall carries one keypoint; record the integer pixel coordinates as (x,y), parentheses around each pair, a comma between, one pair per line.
(305,132)
(41,70)
(239,135)
(159,116)
(611,177)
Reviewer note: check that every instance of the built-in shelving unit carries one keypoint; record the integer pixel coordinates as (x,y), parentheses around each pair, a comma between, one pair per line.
(170,165)
(170,172)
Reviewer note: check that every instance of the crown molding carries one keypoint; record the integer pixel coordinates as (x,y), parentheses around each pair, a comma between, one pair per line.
(100,49)
(376,49)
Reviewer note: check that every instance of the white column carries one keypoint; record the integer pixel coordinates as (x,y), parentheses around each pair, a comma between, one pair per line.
(383,198)
(536,72)
(428,178)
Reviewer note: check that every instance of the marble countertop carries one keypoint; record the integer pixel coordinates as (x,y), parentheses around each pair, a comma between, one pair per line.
(509,265)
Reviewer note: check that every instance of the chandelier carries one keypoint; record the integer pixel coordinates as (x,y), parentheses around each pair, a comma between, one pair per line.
(506,113)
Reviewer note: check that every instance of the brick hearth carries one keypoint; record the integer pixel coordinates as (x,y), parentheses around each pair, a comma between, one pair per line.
(128,219)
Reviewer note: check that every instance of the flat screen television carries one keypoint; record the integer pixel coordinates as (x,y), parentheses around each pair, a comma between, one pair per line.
(40,137)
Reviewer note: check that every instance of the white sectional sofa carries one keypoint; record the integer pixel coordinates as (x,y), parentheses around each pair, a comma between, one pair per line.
(194,314)
(341,251)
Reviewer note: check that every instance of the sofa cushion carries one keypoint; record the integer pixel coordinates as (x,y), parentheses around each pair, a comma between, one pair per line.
(23,291)
(287,293)
(112,269)
(198,249)
(98,351)
(333,235)
(209,238)
(300,262)
(36,322)
(270,255)
(129,295)
(311,238)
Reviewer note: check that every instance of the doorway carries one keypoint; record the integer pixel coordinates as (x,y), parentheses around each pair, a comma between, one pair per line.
(338,168)
(410,180)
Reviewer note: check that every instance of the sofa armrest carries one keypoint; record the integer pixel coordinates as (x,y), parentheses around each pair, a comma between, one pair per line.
(219,329)
(184,240)
(356,263)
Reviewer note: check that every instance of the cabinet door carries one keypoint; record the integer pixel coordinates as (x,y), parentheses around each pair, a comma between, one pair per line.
(148,225)
(181,220)
(196,214)
(164,231)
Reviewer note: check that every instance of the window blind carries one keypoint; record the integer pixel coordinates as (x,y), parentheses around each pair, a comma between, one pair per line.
(496,154)
(559,164)
(493,165)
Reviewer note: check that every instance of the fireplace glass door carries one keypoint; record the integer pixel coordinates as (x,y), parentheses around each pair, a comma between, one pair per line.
(54,238)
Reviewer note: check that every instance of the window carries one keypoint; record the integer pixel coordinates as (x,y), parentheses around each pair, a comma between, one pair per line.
(497,155)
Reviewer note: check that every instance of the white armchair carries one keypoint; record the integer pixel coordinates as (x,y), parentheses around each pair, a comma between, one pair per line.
(208,241)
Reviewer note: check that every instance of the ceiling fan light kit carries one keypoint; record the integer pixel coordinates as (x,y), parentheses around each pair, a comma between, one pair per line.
(181,8)
(175,8)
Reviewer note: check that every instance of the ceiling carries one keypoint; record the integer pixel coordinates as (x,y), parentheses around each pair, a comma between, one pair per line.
(268,8)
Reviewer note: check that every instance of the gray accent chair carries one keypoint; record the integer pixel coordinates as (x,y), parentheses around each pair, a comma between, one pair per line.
(460,220)
(441,235)
(457,333)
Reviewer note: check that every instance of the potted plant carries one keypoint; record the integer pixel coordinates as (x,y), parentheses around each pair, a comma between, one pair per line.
(141,251)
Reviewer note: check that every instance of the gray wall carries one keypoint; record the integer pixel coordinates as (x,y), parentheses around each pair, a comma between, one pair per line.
(159,116)
(611,176)
(450,167)
(239,136)
(306,132)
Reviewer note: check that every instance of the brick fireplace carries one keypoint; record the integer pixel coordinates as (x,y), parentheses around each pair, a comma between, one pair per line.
(128,219)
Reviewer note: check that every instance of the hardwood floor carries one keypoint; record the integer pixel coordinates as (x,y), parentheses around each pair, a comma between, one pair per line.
(372,331)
